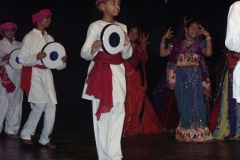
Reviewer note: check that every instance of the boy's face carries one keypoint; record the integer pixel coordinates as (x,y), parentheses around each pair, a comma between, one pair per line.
(9,33)
(45,22)
(111,7)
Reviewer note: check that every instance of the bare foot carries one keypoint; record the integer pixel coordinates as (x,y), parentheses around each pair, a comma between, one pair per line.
(50,145)
(27,141)
(13,136)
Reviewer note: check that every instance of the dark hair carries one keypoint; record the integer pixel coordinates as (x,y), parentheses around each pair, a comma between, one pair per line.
(191,21)
(139,31)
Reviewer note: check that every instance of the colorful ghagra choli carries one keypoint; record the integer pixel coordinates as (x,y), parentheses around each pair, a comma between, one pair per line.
(225,119)
(187,73)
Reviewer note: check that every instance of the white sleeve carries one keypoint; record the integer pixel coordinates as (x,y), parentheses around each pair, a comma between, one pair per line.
(87,47)
(127,50)
(25,56)
(232,40)
(1,56)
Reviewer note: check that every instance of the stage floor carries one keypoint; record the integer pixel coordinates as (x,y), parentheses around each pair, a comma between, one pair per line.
(76,142)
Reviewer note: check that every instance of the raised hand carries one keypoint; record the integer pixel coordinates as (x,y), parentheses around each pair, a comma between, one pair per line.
(143,41)
(203,31)
(168,34)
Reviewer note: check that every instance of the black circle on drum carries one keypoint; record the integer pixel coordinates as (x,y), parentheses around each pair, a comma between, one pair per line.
(112,39)
(53,55)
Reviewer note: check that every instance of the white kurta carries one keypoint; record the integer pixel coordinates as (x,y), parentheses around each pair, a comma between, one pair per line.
(232,40)
(5,48)
(42,87)
(118,71)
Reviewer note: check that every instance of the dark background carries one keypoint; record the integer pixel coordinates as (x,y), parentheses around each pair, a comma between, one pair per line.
(69,25)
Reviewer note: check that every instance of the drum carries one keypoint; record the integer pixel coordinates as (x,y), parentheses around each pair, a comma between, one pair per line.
(55,51)
(112,38)
(13,60)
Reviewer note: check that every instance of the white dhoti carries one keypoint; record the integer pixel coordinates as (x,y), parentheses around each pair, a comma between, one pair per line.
(108,131)
(11,103)
(33,119)
(12,111)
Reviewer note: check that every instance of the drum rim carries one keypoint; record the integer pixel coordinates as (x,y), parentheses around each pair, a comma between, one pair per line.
(9,59)
(101,37)
(43,51)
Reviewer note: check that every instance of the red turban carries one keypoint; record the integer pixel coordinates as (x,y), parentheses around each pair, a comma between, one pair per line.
(7,26)
(40,15)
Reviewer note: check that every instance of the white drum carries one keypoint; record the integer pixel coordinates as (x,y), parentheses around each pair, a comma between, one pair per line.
(112,38)
(13,60)
(55,51)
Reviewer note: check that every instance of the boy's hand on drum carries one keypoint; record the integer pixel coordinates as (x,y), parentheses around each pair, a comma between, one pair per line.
(6,57)
(64,59)
(96,46)
(41,55)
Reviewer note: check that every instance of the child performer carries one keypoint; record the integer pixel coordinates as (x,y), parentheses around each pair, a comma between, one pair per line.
(11,95)
(37,81)
(106,83)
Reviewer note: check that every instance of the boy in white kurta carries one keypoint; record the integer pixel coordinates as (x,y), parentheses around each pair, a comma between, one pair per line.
(10,102)
(40,87)
(108,123)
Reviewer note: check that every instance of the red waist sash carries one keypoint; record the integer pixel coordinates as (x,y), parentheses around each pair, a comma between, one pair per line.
(26,77)
(6,81)
(100,80)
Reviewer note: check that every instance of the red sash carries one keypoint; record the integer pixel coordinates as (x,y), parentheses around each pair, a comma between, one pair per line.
(6,81)
(100,80)
(26,77)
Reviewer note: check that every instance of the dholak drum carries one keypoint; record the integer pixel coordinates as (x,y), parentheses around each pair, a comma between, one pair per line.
(55,51)
(112,38)
(13,60)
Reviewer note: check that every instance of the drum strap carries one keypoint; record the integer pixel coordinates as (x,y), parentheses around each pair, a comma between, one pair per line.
(100,80)
(6,81)
(26,77)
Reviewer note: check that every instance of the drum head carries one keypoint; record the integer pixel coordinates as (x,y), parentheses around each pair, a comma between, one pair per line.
(13,60)
(112,38)
(55,51)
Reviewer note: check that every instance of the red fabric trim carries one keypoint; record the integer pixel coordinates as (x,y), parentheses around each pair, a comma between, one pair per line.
(100,80)
(6,81)
(26,77)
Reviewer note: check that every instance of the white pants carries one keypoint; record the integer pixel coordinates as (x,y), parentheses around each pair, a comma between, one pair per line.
(108,131)
(33,119)
(12,111)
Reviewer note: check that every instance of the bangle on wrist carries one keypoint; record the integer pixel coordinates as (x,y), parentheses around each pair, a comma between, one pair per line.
(208,38)
(162,44)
